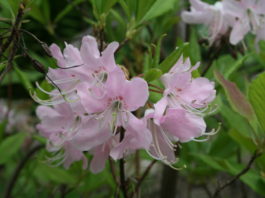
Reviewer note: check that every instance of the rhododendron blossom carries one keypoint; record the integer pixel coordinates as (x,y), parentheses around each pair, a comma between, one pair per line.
(178,115)
(212,16)
(100,108)
(241,16)
(92,108)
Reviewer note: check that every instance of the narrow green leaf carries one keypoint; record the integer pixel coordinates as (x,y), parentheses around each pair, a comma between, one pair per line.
(10,146)
(143,7)
(67,9)
(47,173)
(172,58)
(23,78)
(194,49)
(107,5)
(236,98)
(256,96)
(158,8)
(230,70)
(157,50)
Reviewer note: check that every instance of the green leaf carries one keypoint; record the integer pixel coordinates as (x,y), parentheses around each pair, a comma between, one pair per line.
(194,49)
(256,96)
(143,7)
(242,140)
(158,8)
(23,78)
(157,50)
(152,74)
(10,146)
(252,178)
(173,57)
(67,9)
(236,98)
(234,119)
(55,174)
(231,69)
(108,4)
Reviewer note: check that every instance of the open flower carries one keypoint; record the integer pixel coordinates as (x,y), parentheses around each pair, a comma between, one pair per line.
(60,125)
(121,98)
(212,16)
(76,66)
(248,16)
(194,94)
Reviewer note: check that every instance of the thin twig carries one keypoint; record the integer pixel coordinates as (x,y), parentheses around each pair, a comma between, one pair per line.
(156,91)
(113,172)
(212,59)
(13,38)
(255,155)
(155,86)
(142,178)
(122,44)
(122,171)
(14,29)
(18,170)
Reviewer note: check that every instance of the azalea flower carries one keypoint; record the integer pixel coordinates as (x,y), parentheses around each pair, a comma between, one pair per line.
(178,115)
(175,125)
(60,125)
(181,89)
(121,98)
(76,66)
(248,17)
(102,105)
(212,16)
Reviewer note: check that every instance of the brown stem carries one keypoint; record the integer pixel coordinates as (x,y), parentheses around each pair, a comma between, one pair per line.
(212,59)
(122,170)
(122,44)
(155,86)
(113,172)
(140,181)
(255,155)
(18,170)
(13,38)
(14,29)
(156,91)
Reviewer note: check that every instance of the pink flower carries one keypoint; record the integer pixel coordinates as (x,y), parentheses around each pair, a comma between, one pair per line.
(137,136)
(175,125)
(212,16)
(60,125)
(248,16)
(77,66)
(121,97)
(184,90)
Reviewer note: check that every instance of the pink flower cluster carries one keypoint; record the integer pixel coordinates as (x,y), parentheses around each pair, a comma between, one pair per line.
(239,16)
(91,108)
(178,115)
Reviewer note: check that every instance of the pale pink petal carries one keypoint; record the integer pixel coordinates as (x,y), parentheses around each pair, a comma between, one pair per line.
(57,54)
(240,29)
(160,148)
(137,136)
(199,94)
(91,135)
(90,103)
(182,125)
(100,155)
(108,59)
(90,53)
(135,93)
(72,155)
